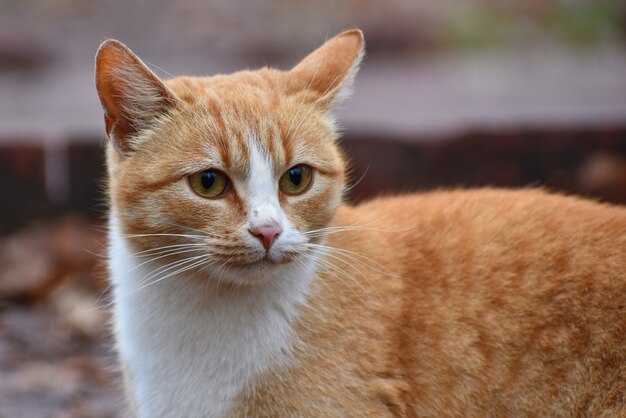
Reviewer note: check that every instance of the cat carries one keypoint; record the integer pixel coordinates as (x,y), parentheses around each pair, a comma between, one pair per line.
(243,286)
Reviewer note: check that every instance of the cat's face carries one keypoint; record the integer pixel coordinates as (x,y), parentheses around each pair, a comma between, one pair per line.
(232,174)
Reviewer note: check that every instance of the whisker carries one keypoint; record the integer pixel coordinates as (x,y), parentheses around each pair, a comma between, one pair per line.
(348,259)
(338,258)
(356,183)
(151,251)
(325,260)
(336,229)
(168,254)
(161,235)
(303,268)
(170,266)
(329,267)
(181,270)
(144,282)
(355,257)
(221,269)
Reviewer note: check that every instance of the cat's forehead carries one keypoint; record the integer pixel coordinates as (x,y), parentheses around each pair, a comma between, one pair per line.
(229,114)
(225,117)
(258,88)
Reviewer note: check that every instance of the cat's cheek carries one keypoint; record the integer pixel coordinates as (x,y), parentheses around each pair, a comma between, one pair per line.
(213,217)
(316,208)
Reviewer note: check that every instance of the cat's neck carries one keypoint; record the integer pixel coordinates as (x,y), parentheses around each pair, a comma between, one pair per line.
(199,343)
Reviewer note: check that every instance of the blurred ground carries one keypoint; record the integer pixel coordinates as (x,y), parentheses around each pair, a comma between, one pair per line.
(56,358)
(466,93)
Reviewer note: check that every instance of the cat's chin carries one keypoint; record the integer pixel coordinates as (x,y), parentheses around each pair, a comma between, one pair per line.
(261,271)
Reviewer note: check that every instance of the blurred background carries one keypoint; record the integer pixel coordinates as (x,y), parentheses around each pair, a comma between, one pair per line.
(515,93)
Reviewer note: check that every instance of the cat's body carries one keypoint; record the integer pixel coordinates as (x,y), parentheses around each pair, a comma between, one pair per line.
(492,316)
(270,299)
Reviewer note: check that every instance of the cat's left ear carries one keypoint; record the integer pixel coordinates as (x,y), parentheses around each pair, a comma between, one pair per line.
(329,71)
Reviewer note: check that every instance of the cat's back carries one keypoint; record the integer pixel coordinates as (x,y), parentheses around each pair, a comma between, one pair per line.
(512,302)
(523,227)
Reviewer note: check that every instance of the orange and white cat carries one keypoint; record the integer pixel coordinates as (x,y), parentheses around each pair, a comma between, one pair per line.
(244,287)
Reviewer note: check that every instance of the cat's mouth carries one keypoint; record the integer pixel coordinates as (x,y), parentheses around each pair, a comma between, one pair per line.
(255,272)
(266,261)
(262,265)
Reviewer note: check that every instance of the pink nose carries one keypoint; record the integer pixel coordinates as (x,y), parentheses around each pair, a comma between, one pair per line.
(267,234)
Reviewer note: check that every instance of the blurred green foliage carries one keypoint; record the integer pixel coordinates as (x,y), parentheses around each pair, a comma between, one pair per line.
(587,21)
(582,22)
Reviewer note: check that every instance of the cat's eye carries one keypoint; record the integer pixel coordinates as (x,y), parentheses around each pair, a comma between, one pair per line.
(209,183)
(296,180)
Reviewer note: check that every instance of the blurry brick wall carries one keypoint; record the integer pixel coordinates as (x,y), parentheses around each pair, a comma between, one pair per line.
(587,162)
(22,182)
(86,179)
(25,195)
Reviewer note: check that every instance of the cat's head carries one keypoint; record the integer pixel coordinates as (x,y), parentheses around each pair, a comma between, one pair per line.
(237,170)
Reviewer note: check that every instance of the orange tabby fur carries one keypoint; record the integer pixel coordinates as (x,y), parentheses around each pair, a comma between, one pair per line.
(505,303)
(457,303)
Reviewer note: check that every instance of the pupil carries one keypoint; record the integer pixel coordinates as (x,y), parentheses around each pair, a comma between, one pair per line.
(295,175)
(208,179)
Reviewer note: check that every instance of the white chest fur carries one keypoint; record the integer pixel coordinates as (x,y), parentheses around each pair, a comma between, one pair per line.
(191,351)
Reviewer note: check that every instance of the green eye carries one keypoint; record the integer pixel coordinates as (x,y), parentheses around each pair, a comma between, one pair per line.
(296,180)
(209,183)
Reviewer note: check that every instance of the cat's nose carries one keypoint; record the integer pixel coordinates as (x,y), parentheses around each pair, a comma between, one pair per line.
(267,234)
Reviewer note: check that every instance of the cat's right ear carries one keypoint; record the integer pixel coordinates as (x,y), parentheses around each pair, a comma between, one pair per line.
(329,70)
(132,96)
